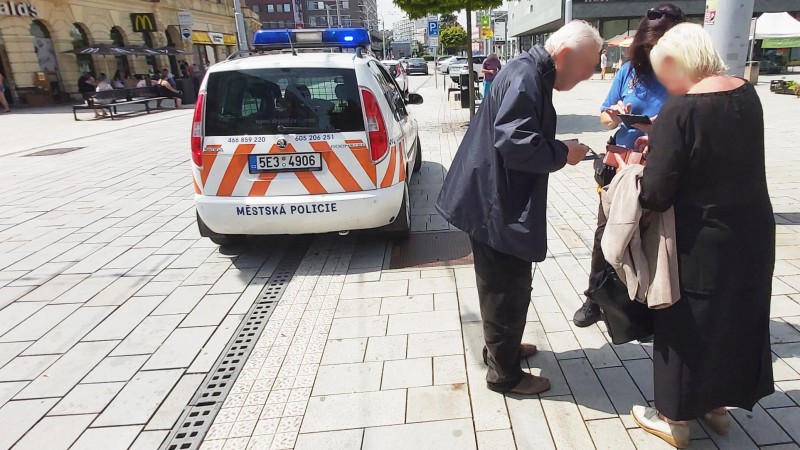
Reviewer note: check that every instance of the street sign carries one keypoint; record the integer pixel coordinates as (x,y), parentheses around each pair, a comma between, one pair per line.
(485,21)
(433,28)
(186,33)
(433,41)
(486,33)
(499,31)
(185,18)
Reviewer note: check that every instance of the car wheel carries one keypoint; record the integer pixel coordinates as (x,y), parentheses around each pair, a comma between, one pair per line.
(401,227)
(418,160)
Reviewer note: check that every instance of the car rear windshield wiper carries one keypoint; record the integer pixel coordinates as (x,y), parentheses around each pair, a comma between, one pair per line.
(284,128)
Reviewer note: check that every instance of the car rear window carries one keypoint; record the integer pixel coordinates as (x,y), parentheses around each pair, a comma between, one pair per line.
(417,60)
(290,100)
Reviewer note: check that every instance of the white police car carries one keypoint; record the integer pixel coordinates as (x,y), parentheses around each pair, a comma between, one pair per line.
(302,141)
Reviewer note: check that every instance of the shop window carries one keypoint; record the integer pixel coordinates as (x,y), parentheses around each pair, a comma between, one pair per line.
(151,60)
(80,39)
(122,61)
(38,30)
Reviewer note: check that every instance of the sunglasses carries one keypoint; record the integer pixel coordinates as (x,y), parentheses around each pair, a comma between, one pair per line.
(656,14)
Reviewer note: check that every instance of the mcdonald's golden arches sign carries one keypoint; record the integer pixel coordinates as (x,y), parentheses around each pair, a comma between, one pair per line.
(143,22)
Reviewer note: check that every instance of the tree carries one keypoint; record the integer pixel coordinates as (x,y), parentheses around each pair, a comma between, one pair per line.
(446,21)
(453,38)
(421,8)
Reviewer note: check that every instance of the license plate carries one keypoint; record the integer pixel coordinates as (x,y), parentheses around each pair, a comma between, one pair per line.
(293,162)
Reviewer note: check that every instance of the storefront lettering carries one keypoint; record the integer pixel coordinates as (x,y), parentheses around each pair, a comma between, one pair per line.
(143,22)
(18,9)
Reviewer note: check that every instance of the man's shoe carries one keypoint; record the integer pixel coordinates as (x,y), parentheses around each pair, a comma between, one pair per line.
(720,423)
(674,434)
(528,385)
(587,315)
(525,352)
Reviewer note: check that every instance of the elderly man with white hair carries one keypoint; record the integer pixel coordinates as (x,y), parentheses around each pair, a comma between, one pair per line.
(496,191)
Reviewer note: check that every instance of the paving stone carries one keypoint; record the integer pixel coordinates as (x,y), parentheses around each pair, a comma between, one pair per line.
(210,311)
(623,392)
(587,390)
(425,322)
(120,368)
(645,440)
(434,344)
(432,286)
(9,389)
(9,350)
(346,411)
(87,399)
(446,301)
(169,411)
(179,349)
(565,345)
(340,351)
(609,434)
(148,336)
(331,440)
(641,370)
(789,419)
(210,352)
(39,323)
(53,288)
(139,399)
(25,368)
(432,403)
(348,378)
(108,438)
(382,348)
(790,353)
(396,275)
(495,440)
(450,434)
(368,289)
(182,300)
(119,291)
(777,399)
(88,288)
(407,373)
(233,281)
(18,417)
(565,422)
(55,433)
(65,373)
(64,335)
(760,426)
(124,319)
(469,305)
(449,370)
(355,327)
(358,307)
(488,408)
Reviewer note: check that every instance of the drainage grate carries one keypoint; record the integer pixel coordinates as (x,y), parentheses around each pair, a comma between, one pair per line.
(54,151)
(197,418)
(446,248)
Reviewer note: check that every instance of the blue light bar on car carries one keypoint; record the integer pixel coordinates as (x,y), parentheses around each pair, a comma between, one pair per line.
(326,37)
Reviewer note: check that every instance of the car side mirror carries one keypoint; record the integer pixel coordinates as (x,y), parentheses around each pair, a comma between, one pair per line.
(414,99)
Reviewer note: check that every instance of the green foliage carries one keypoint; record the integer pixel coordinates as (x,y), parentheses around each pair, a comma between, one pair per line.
(421,8)
(453,38)
(447,20)
(427,57)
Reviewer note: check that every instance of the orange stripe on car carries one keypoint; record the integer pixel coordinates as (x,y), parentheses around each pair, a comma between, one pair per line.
(309,179)
(401,162)
(260,186)
(208,163)
(234,170)
(363,157)
(387,179)
(336,167)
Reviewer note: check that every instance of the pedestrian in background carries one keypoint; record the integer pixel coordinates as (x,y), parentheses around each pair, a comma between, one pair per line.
(635,90)
(706,160)
(3,100)
(496,191)
(87,86)
(491,66)
(603,64)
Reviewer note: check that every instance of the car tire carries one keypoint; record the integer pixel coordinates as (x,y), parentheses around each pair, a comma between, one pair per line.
(400,229)
(418,157)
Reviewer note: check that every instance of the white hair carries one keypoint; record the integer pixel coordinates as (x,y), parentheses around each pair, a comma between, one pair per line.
(572,35)
(692,49)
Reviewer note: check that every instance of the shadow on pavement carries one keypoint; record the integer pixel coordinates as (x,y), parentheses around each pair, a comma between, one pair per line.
(578,124)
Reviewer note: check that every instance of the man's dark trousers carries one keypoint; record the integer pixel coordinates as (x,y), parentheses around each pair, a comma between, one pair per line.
(504,291)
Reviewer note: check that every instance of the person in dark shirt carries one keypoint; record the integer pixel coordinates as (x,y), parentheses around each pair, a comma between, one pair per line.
(87,86)
(496,191)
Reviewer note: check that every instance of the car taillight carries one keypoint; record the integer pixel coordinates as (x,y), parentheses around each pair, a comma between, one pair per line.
(376,127)
(197,130)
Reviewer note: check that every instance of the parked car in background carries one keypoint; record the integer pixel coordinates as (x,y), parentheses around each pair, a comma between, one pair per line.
(417,65)
(457,68)
(397,70)
(444,66)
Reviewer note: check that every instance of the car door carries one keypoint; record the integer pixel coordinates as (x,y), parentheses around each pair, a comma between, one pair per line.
(408,126)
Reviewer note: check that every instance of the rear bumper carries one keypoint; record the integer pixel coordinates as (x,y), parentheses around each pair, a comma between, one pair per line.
(301,214)
(417,70)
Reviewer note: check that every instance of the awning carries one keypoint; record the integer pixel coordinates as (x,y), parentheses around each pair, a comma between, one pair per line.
(777,25)
(212,38)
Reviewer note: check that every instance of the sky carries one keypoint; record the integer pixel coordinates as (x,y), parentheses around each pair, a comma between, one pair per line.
(392,13)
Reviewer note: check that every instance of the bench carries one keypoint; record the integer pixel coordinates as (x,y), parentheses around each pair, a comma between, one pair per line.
(111,99)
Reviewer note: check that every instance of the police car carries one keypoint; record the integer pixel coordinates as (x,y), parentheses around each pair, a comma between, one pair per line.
(305,134)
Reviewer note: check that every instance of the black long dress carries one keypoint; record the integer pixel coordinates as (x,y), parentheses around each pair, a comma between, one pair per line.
(711,348)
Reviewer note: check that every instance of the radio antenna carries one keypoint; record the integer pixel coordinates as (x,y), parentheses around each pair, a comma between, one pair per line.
(289,37)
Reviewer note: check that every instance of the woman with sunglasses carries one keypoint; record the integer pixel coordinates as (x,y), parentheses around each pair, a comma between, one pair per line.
(635,90)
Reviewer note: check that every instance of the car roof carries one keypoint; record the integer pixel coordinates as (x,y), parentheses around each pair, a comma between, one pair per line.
(332,60)
(389,61)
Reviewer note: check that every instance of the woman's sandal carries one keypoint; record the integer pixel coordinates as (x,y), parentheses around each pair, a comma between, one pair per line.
(720,423)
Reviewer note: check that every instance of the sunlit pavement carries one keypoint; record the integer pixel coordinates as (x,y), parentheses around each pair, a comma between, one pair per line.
(113,310)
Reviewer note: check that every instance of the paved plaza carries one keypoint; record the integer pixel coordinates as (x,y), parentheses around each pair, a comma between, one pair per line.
(113,310)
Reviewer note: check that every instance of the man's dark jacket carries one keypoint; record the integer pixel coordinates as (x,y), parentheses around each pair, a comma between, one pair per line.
(496,188)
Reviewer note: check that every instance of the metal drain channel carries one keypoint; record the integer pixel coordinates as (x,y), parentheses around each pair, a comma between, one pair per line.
(197,418)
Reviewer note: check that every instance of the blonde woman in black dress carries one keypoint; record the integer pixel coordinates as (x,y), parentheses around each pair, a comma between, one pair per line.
(706,159)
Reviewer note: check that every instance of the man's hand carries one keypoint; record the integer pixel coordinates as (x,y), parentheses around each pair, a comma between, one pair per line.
(577,152)
(643,145)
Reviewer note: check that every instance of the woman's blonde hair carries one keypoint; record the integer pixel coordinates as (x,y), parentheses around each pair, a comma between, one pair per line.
(692,49)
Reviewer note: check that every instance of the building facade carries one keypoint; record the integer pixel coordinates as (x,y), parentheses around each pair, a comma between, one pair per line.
(35,34)
(532,21)
(278,13)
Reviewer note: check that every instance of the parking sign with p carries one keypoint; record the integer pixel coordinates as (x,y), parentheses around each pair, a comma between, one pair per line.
(433,28)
